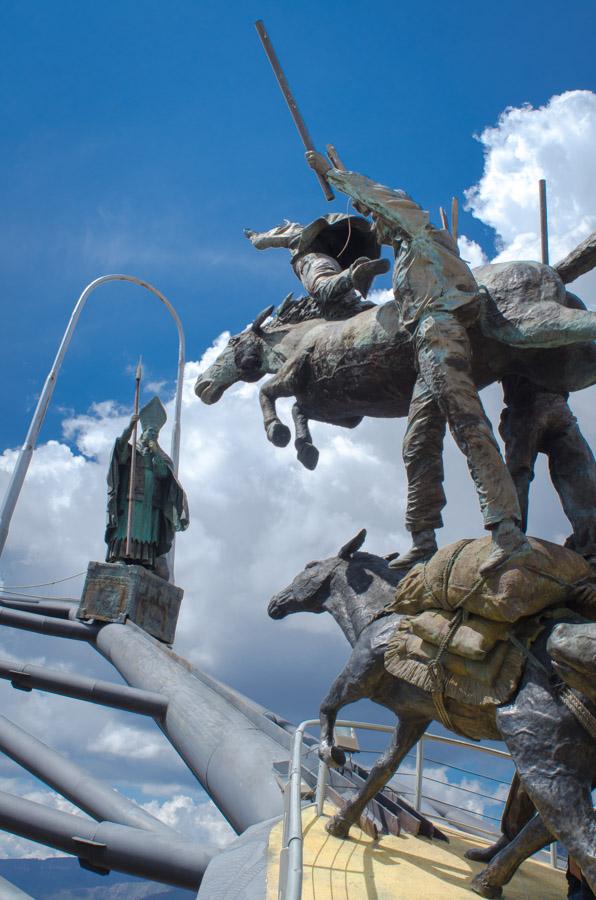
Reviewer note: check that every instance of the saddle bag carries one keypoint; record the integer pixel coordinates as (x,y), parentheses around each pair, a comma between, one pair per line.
(522,587)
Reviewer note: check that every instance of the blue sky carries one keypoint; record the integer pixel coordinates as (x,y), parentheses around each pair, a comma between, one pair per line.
(144,136)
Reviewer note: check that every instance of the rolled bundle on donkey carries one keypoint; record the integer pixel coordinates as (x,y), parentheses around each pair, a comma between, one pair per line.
(465,636)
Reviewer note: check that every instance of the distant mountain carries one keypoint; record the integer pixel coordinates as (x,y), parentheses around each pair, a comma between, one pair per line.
(63,879)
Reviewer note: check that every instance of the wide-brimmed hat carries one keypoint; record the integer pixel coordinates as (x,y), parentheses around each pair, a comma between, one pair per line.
(343,237)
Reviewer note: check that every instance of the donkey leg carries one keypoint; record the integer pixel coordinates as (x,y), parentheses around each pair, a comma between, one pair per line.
(278,433)
(518,811)
(556,760)
(351,684)
(306,451)
(532,838)
(405,736)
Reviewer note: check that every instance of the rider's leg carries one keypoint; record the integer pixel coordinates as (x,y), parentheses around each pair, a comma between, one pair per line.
(521,432)
(423,460)
(573,473)
(443,351)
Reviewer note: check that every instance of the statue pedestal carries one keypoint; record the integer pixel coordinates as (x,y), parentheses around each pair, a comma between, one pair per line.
(115,593)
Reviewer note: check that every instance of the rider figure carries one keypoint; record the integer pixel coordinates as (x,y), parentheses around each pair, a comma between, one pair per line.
(437,298)
(335,257)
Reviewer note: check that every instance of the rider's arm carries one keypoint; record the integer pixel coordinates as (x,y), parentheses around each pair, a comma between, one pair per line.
(394,206)
(280,236)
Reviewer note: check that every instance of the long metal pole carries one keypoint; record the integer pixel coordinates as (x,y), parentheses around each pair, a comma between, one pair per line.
(543,221)
(20,471)
(289,98)
(133,458)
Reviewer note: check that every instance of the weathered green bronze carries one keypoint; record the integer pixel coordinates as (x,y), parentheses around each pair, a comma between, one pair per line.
(158,502)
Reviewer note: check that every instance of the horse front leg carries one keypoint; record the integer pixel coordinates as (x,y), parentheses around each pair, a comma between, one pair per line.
(404,737)
(532,838)
(306,451)
(278,433)
(353,683)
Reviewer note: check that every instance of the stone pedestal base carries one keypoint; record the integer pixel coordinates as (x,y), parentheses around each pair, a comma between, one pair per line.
(115,593)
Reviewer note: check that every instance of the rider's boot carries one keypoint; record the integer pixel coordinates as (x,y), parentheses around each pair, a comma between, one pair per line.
(424,545)
(508,542)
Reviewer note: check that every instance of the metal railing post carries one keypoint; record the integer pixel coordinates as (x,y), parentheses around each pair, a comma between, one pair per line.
(419,773)
(322,779)
(553,854)
(22,465)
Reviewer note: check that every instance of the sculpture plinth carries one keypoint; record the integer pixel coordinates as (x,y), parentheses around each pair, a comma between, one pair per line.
(115,593)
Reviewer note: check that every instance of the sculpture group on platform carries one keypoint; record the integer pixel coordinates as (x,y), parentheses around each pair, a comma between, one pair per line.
(492,637)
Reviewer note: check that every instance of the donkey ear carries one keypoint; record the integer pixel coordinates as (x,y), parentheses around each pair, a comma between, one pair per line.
(256,325)
(352,546)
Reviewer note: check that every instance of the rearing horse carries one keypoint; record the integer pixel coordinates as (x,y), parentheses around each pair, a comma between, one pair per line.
(341,371)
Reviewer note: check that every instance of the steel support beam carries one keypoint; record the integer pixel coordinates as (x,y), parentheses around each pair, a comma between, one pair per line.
(231,754)
(73,782)
(105,846)
(25,677)
(56,609)
(47,625)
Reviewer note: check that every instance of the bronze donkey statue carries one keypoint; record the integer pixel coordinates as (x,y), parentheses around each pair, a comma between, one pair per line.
(555,756)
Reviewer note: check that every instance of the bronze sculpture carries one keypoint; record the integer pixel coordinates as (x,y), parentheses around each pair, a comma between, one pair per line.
(335,258)
(159,506)
(555,755)
(364,366)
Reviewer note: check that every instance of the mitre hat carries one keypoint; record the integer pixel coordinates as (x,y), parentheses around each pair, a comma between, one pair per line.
(153,415)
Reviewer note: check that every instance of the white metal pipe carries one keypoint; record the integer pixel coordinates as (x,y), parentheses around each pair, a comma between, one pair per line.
(322,779)
(553,855)
(22,465)
(419,773)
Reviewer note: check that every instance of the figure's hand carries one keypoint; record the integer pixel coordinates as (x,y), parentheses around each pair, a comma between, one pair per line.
(134,419)
(249,234)
(318,162)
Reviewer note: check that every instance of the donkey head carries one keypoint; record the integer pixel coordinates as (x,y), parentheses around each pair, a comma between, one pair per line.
(244,359)
(309,590)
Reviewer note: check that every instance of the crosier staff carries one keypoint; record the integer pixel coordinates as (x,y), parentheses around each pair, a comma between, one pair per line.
(133,460)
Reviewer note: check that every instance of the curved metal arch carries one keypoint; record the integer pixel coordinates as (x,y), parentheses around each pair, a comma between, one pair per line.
(26,453)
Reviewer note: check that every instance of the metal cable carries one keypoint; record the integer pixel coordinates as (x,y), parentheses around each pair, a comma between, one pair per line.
(24,587)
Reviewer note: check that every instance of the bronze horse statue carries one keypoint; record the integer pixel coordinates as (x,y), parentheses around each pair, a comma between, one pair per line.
(554,754)
(341,371)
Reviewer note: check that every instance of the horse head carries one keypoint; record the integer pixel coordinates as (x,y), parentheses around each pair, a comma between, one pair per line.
(309,590)
(245,358)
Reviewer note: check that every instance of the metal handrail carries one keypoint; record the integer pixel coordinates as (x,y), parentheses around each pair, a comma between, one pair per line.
(290,880)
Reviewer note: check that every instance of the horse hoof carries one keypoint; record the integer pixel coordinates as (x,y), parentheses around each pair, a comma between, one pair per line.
(279,434)
(480,854)
(338,756)
(484,889)
(332,756)
(338,827)
(308,455)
